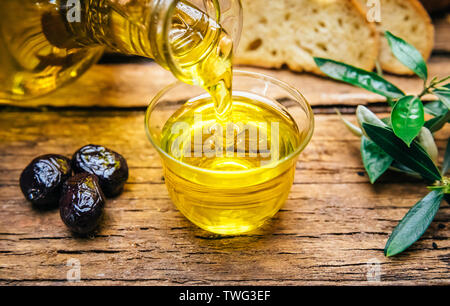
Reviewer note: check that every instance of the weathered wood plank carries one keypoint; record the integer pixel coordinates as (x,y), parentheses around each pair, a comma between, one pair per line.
(134,85)
(442,34)
(333,224)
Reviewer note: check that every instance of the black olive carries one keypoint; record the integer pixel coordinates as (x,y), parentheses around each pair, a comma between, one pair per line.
(110,167)
(42,179)
(81,204)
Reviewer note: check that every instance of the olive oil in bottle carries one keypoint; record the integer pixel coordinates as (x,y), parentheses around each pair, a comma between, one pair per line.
(30,65)
(45,44)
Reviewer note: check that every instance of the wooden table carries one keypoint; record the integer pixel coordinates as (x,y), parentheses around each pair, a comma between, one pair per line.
(331,230)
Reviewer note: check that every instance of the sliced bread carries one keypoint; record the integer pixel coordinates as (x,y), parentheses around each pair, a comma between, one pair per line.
(408,20)
(292,32)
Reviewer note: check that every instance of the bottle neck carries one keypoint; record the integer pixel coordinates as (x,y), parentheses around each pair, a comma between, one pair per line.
(175,33)
(122,26)
(157,29)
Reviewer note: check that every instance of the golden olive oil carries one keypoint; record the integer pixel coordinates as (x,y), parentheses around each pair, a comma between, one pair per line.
(230,177)
(227,169)
(250,138)
(239,178)
(204,54)
(41,48)
(30,65)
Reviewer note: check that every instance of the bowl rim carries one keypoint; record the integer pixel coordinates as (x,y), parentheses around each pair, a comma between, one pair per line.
(300,99)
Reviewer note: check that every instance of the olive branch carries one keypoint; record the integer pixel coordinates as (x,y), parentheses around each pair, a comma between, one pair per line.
(403,141)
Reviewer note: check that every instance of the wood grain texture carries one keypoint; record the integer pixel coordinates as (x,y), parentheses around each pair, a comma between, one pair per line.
(442,33)
(134,85)
(332,225)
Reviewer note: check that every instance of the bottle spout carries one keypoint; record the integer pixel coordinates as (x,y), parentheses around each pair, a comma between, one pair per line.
(230,18)
(197,38)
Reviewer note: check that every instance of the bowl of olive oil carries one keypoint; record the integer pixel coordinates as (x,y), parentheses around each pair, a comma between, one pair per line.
(230,169)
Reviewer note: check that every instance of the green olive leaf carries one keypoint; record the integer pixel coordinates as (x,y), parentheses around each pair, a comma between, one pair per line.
(446,164)
(436,123)
(363,114)
(414,157)
(435,108)
(391,102)
(443,94)
(396,166)
(387,121)
(426,140)
(407,118)
(358,77)
(414,223)
(355,130)
(407,55)
(375,160)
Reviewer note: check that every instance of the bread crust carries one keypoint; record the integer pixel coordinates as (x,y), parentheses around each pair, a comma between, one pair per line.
(429,36)
(390,64)
(373,28)
(372,53)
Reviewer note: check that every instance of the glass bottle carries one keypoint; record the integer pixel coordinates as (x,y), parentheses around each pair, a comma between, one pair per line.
(45,44)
